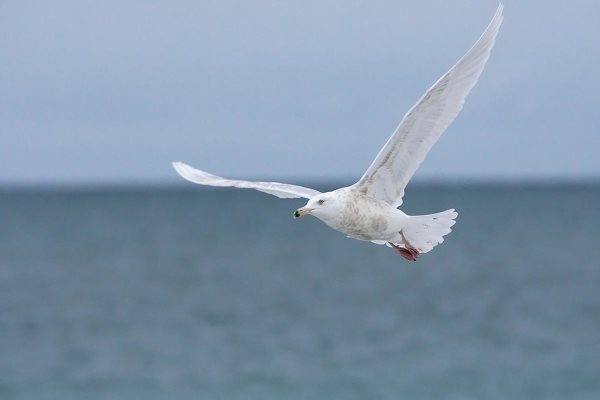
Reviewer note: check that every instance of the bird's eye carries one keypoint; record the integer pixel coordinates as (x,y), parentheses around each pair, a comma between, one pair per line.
(321,201)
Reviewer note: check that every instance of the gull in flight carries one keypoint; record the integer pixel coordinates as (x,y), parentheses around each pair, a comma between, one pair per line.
(368,210)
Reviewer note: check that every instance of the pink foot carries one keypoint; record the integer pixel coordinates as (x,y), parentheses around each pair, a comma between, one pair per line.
(410,255)
(409,252)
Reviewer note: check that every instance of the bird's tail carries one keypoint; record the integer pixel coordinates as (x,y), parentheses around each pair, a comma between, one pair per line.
(424,232)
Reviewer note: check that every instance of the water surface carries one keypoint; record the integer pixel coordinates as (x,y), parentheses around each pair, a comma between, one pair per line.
(220,294)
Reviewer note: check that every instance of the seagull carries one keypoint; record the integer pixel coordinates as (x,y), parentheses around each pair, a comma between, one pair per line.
(368,209)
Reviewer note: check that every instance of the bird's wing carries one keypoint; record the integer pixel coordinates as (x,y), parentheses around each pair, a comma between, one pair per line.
(423,124)
(281,190)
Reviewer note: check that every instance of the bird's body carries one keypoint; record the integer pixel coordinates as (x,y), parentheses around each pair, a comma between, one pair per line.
(368,210)
(362,217)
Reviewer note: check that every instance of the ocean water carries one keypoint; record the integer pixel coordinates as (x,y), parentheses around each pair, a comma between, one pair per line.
(220,294)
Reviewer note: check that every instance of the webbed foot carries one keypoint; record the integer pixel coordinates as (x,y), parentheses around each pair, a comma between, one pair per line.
(409,252)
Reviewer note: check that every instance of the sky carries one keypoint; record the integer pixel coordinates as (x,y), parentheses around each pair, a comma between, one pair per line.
(96,92)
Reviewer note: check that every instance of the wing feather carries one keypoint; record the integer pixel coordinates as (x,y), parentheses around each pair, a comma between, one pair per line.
(281,190)
(387,177)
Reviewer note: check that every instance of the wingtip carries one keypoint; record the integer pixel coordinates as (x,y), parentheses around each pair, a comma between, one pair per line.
(178,165)
(500,12)
(179,168)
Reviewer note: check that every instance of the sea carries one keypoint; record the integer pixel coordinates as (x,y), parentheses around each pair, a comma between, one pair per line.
(191,293)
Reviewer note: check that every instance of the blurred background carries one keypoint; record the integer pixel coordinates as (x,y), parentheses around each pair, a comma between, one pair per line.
(119,280)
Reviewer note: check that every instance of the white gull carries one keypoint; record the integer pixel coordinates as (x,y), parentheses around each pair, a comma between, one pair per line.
(368,210)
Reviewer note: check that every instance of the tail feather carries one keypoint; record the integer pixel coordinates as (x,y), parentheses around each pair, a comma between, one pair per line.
(424,232)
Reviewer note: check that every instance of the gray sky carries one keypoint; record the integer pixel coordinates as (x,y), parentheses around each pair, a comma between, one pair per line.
(113,91)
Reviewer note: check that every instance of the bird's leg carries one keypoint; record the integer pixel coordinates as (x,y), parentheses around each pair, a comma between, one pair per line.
(409,247)
(409,252)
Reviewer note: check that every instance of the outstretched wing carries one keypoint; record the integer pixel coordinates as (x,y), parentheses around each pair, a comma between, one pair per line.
(424,123)
(281,190)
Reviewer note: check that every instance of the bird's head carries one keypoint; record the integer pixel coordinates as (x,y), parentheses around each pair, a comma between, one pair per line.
(320,206)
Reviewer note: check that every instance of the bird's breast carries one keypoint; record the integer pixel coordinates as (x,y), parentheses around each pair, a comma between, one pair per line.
(360,217)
